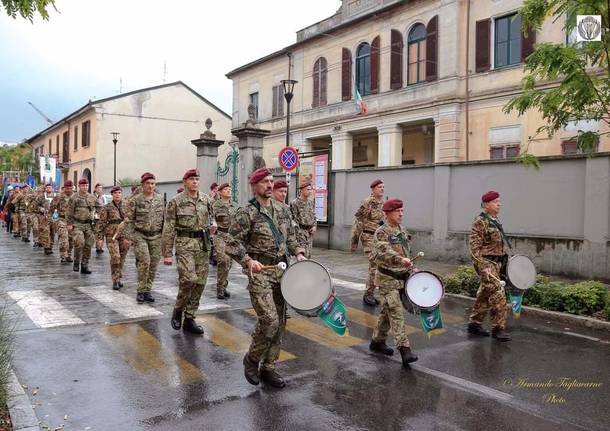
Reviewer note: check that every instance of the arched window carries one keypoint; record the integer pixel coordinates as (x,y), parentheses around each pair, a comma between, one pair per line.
(417,54)
(319,83)
(87,175)
(363,69)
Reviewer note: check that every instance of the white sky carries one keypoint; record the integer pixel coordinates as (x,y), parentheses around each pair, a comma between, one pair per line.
(84,50)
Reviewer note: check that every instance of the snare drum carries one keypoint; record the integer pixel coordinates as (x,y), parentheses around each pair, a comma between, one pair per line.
(423,290)
(521,272)
(306,286)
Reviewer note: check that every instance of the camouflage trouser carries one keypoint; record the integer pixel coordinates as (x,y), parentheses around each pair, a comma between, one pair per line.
(148,254)
(117,256)
(193,267)
(305,240)
(44,230)
(83,238)
(490,297)
(64,238)
(270,307)
(367,243)
(224,263)
(16,225)
(27,225)
(391,317)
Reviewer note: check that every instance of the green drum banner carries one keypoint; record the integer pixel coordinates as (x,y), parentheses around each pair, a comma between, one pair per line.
(431,321)
(516,298)
(334,315)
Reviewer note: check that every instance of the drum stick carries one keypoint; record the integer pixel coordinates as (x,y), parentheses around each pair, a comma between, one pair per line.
(502,282)
(281,265)
(417,256)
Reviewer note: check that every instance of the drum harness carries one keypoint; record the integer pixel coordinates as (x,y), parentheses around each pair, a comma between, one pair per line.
(404,242)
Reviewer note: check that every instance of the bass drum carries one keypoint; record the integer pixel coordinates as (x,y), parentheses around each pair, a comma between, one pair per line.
(521,272)
(423,290)
(306,286)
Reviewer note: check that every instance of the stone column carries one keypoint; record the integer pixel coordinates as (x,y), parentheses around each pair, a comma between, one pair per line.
(207,156)
(448,131)
(250,146)
(390,145)
(342,145)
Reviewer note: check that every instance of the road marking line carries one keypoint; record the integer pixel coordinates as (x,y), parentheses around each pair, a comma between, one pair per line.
(119,302)
(43,310)
(370,321)
(349,284)
(231,338)
(316,333)
(144,352)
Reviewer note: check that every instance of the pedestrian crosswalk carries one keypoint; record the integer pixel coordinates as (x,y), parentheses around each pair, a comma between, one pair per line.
(44,311)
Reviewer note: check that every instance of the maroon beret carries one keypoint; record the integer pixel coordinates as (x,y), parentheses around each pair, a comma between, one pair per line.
(134,187)
(180,190)
(490,196)
(391,205)
(278,184)
(223,186)
(190,173)
(146,176)
(213,186)
(376,183)
(98,184)
(48,185)
(259,174)
(116,189)
(83,181)
(68,184)
(305,184)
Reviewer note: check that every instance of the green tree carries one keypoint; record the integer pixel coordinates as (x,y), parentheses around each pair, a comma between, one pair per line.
(578,73)
(28,8)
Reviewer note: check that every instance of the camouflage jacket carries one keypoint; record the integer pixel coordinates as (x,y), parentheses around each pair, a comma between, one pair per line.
(18,202)
(485,239)
(223,213)
(144,216)
(42,204)
(390,246)
(187,215)
(30,202)
(60,203)
(369,216)
(303,213)
(111,217)
(286,217)
(81,208)
(251,233)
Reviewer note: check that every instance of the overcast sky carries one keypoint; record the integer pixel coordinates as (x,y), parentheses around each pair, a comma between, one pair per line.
(84,50)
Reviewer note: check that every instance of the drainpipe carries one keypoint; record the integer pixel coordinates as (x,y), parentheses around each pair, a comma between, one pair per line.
(467,98)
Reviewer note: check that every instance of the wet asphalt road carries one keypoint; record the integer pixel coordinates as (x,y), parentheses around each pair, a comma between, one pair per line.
(109,370)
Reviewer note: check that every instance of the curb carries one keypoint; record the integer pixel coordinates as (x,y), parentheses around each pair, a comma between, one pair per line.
(19,406)
(583,321)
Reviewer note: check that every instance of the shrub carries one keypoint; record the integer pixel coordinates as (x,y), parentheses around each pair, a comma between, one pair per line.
(545,294)
(606,310)
(465,281)
(6,338)
(586,297)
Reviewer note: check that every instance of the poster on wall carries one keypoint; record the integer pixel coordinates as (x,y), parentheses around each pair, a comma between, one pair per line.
(315,169)
(48,169)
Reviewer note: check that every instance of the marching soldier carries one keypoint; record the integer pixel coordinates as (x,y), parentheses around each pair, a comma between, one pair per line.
(111,225)
(43,203)
(259,239)
(368,217)
(280,191)
(214,196)
(20,208)
(224,212)
(303,211)
(29,215)
(80,217)
(188,218)
(489,257)
(17,196)
(59,204)
(98,192)
(144,213)
(390,253)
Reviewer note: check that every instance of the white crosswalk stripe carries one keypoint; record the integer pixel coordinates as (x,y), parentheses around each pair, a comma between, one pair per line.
(349,284)
(123,304)
(43,310)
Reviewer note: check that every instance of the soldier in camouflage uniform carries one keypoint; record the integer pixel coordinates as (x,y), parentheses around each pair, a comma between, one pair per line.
(144,213)
(214,196)
(64,238)
(98,192)
(28,216)
(43,204)
(189,218)
(81,208)
(17,197)
(303,211)
(224,212)
(391,253)
(260,237)
(489,258)
(111,225)
(368,218)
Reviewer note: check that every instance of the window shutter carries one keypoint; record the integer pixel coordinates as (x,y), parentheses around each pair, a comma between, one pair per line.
(274,105)
(316,85)
(323,82)
(280,100)
(432,49)
(375,48)
(346,75)
(396,49)
(482,63)
(527,44)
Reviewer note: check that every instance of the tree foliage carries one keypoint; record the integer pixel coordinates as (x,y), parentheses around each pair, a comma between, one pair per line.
(28,8)
(566,82)
(16,158)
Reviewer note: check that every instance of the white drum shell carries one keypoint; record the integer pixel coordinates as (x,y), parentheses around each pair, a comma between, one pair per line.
(424,289)
(521,272)
(306,286)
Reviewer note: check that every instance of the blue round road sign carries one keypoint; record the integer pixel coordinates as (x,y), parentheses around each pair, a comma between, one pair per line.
(288,158)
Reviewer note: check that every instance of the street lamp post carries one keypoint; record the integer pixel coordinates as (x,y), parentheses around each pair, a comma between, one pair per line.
(114,141)
(288,94)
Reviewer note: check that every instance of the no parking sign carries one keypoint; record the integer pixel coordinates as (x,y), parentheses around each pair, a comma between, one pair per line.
(288,158)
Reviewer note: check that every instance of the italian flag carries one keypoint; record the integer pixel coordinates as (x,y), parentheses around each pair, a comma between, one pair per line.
(359,101)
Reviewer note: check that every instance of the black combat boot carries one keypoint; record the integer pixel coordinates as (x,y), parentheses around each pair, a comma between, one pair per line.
(115,285)
(381,347)
(500,335)
(369,300)
(176,319)
(63,260)
(48,251)
(24,239)
(226,294)
(140,297)
(99,250)
(120,284)
(148,297)
(272,378)
(76,267)
(220,295)
(476,329)
(190,325)
(69,259)
(84,269)
(251,370)
(407,356)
